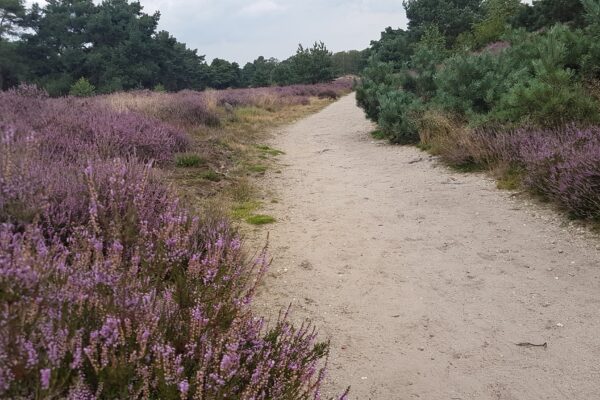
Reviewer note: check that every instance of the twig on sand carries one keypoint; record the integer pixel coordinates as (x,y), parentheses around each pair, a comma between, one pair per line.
(527,344)
(416,160)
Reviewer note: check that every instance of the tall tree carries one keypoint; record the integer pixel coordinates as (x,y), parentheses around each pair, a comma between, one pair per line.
(349,62)
(259,72)
(496,20)
(224,74)
(312,65)
(179,67)
(545,13)
(123,50)
(57,49)
(12,17)
(263,69)
(452,17)
(12,14)
(115,45)
(395,46)
(283,74)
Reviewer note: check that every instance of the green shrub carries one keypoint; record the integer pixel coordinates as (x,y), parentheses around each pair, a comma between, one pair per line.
(553,95)
(396,118)
(430,53)
(558,48)
(82,88)
(473,84)
(376,78)
(591,60)
(366,98)
(547,102)
(160,88)
(496,20)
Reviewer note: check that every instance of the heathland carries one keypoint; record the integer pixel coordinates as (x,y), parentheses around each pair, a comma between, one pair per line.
(116,281)
(130,169)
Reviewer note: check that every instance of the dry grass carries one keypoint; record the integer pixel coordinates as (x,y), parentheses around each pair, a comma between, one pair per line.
(237,152)
(446,137)
(457,144)
(229,150)
(469,150)
(150,103)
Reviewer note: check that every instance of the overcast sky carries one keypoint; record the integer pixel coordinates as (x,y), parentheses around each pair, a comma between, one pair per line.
(242,30)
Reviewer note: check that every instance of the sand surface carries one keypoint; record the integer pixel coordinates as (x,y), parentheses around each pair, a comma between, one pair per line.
(425,279)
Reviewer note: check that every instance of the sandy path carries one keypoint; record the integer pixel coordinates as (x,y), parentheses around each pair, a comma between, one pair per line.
(426,279)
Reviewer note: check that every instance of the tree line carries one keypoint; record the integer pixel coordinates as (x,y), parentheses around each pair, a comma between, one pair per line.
(115,45)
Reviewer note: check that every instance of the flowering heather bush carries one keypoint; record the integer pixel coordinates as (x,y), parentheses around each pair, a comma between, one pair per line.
(280,96)
(73,129)
(268,98)
(188,109)
(136,309)
(563,164)
(88,320)
(109,288)
(56,194)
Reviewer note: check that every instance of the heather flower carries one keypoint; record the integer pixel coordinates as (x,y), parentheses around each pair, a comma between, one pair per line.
(562,164)
(184,386)
(45,378)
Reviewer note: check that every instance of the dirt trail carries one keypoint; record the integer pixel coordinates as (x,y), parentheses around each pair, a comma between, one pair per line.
(426,279)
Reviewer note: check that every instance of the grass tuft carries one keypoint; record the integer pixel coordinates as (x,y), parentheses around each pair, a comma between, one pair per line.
(189,160)
(257,168)
(244,209)
(211,176)
(260,219)
(467,167)
(269,150)
(379,135)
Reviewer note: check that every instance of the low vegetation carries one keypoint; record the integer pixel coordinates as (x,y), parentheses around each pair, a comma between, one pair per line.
(111,284)
(497,85)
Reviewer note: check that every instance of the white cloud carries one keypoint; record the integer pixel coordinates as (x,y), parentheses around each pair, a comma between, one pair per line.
(261,7)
